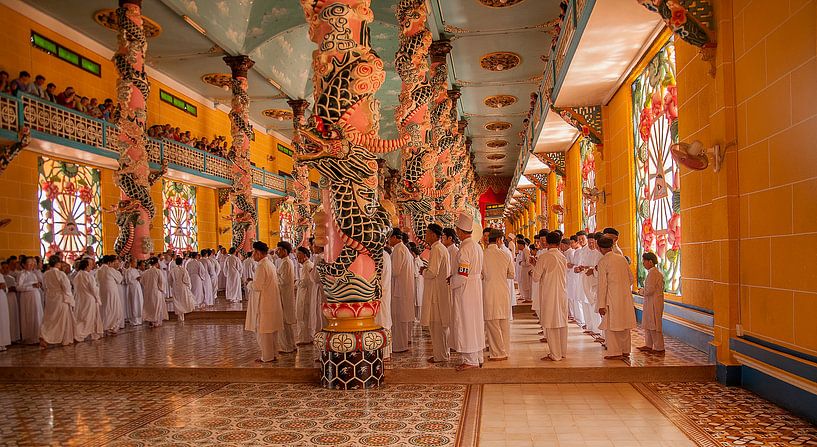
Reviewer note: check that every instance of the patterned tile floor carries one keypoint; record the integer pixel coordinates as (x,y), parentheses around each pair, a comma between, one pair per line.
(224,343)
(144,414)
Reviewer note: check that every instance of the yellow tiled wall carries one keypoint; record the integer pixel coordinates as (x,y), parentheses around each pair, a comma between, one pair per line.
(573,188)
(18,202)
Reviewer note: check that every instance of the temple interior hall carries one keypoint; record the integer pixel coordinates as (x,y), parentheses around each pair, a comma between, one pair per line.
(408,223)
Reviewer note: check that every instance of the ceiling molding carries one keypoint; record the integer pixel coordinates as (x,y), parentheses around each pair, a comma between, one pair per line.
(659,28)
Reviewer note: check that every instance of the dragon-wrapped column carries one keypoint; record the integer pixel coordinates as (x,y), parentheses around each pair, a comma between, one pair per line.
(135,210)
(245,216)
(301,185)
(340,141)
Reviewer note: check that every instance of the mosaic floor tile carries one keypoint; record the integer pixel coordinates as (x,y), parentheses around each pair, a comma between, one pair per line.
(716,415)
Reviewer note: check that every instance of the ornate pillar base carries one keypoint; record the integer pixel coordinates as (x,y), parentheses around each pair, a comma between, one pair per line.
(352,360)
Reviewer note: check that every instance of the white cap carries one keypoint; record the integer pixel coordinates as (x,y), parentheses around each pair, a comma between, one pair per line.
(465,222)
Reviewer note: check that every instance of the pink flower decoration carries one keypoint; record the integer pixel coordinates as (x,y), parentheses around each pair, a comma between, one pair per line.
(645,124)
(674,231)
(647,234)
(85,194)
(671,103)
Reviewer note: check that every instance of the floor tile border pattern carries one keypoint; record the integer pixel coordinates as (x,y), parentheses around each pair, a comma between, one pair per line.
(684,423)
(130,426)
(471,419)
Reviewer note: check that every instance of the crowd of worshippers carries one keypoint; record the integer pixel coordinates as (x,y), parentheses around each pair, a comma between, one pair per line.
(216,146)
(93,107)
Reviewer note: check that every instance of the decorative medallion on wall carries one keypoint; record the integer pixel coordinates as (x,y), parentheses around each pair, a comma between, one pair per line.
(278,114)
(500,61)
(494,144)
(500,3)
(500,101)
(107,18)
(498,126)
(495,156)
(219,80)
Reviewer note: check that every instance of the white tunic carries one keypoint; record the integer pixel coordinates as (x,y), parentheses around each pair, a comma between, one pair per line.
(511,291)
(183,300)
(5,325)
(232,275)
(653,292)
(466,288)
(496,270)
(286,285)
(135,297)
(615,285)
(523,262)
(303,293)
(437,295)
(58,319)
(14,307)
(198,279)
(383,317)
(153,283)
(109,280)
(403,285)
(31,306)
(590,283)
(550,273)
(581,256)
(264,311)
(88,312)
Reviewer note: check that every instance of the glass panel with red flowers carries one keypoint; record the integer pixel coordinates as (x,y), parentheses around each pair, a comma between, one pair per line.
(657,181)
(287,214)
(70,209)
(560,200)
(588,171)
(180,225)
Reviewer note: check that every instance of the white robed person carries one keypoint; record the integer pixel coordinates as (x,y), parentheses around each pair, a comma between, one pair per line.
(5,322)
(403,289)
(58,318)
(183,300)
(286,286)
(109,279)
(550,272)
(450,241)
(525,267)
(88,310)
(198,278)
(135,299)
(153,283)
(436,308)
(588,260)
(303,296)
(232,276)
(466,288)
(209,279)
(511,290)
(31,305)
(383,317)
(653,309)
(264,312)
(247,272)
(14,306)
(497,268)
(615,300)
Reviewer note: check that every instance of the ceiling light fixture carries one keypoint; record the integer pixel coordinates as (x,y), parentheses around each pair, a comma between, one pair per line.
(195,25)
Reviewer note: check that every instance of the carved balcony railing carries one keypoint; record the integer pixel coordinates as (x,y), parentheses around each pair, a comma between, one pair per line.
(54,123)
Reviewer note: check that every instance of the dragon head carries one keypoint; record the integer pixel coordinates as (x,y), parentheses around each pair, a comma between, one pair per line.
(319,139)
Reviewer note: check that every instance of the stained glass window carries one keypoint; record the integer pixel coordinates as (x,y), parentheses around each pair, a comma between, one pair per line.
(560,199)
(657,181)
(70,210)
(588,171)
(180,226)
(287,214)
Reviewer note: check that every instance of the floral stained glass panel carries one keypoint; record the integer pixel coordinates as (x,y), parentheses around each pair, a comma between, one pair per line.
(70,208)
(588,172)
(657,180)
(180,226)
(287,214)
(560,199)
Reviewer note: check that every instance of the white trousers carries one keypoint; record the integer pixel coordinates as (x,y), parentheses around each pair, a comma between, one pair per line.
(577,310)
(268,344)
(472,358)
(499,338)
(654,340)
(286,337)
(557,341)
(618,342)
(400,332)
(439,341)
(304,318)
(592,319)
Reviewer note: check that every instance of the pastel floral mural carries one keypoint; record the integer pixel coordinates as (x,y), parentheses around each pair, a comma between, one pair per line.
(180,226)
(70,208)
(287,214)
(657,180)
(588,172)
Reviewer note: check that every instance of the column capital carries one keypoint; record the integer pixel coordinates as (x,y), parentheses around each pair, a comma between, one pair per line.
(461,125)
(298,106)
(454,94)
(132,2)
(239,65)
(439,49)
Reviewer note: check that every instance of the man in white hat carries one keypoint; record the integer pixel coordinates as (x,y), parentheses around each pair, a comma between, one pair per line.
(466,287)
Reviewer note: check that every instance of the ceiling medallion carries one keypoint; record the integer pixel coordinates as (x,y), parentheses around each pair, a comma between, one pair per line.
(494,144)
(107,18)
(500,3)
(500,60)
(496,167)
(219,80)
(499,101)
(497,126)
(495,156)
(278,114)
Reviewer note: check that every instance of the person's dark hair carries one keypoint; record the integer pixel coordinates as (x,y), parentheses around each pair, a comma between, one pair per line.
(286,246)
(153,261)
(387,249)
(581,233)
(553,238)
(566,241)
(560,233)
(53,260)
(192,255)
(486,230)
(536,237)
(204,252)
(436,229)
(610,230)
(532,247)
(24,74)
(520,242)
(396,233)
(39,77)
(574,238)
(304,250)
(527,241)
(404,237)
(494,236)
(261,247)
(4,72)
(450,232)
(311,240)
(650,256)
(231,250)
(179,260)
(83,264)
(543,232)
(598,235)
(605,242)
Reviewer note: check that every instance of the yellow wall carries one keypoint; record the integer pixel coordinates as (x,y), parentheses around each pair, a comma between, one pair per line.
(18,201)
(573,188)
